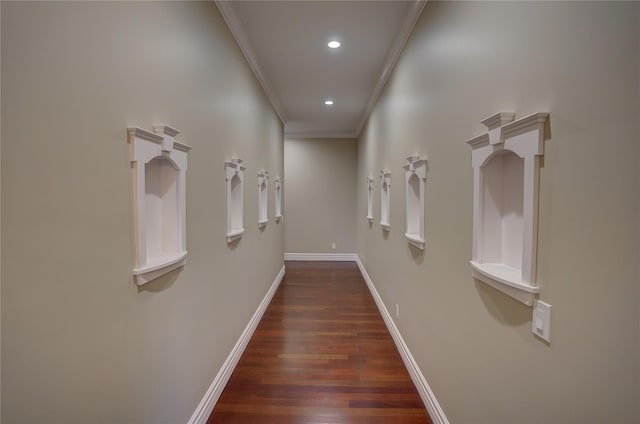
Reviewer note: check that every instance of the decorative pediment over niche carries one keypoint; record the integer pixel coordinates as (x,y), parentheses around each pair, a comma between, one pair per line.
(158,176)
(506,167)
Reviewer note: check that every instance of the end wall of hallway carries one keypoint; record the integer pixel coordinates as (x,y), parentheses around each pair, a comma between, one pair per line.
(319,192)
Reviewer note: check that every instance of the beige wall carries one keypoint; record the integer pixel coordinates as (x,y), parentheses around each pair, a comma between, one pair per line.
(464,62)
(81,343)
(319,195)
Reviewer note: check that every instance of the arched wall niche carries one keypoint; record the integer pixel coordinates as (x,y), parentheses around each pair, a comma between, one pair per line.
(263,187)
(277,182)
(161,190)
(234,181)
(370,199)
(503,200)
(158,178)
(506,164)
(415,172)
(385,199)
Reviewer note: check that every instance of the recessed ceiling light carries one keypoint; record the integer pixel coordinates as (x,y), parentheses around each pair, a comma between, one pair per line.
(328,102)
(334,44)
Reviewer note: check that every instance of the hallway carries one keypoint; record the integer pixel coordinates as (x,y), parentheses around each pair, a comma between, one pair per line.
(165,162)
(321,354)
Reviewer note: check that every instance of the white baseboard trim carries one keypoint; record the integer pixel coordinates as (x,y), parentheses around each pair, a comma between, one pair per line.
(208,402)
(433,407)
(351,257)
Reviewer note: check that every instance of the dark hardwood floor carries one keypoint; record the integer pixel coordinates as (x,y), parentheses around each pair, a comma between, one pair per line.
(321,354)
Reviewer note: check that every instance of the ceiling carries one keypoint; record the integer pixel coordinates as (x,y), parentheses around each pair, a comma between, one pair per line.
(285,43)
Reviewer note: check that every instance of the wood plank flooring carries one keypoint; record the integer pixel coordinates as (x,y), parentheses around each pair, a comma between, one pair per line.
(321,354)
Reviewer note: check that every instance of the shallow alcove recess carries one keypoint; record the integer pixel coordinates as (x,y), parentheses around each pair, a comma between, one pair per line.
(370,199)
(234,181)
(277,182)
(506,166)
(158,173)
(263,180)
(385,198)
(415,172)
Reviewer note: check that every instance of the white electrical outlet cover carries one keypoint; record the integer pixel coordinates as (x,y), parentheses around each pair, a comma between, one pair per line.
(541,322)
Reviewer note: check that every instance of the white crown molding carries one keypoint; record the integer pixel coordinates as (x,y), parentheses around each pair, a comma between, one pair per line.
(397,46)
(498,119)
(165,129)
(230,17)
(528,123)
(319,134)
(208,402)
(144,134)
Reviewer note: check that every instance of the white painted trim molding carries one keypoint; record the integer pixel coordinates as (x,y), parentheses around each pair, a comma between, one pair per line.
(410,20)
(426,394)
(385,199)
(263,189)
(235,198)
(370,198)
(229,16)
(506,168)
(158,181)
(208,402)
(318,134)
(414,200)
(277,182)
(343,257)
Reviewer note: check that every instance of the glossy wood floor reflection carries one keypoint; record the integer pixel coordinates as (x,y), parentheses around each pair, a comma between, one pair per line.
(321,354)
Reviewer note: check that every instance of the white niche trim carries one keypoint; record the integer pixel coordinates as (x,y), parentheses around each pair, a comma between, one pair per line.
(234,181)
(158,177)
(385,198)
(370,199)
(415,176)
(277,183)
(263,186)
(506,168)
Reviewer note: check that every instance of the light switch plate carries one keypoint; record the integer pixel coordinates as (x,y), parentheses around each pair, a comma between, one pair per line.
(541,322)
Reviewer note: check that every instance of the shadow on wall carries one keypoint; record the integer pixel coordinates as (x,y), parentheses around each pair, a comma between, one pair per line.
(416,254)
(160,284)
(502,307)
(233,245)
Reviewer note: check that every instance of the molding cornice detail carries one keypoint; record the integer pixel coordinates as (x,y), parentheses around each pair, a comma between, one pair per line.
(479,141)
(311,134)
(397,46)
(498,119)
(229,16)
(165,129)
(144,134)
(526,124)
